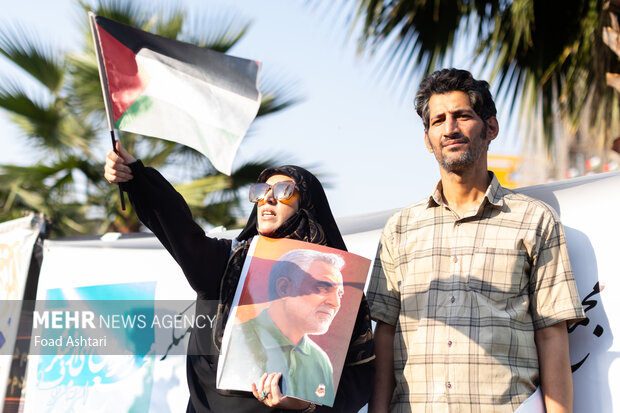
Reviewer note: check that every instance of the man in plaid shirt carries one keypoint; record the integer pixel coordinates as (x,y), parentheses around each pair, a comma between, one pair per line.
(472,287)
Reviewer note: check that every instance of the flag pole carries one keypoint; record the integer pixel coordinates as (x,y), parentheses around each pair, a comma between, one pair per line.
(106,93)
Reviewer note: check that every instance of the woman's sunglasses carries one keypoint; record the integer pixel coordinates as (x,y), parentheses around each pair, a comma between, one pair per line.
(282,191)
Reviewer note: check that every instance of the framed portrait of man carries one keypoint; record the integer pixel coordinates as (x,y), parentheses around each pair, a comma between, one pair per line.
(293,313)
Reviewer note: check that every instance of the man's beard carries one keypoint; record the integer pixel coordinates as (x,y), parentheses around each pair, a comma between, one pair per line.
(465,160)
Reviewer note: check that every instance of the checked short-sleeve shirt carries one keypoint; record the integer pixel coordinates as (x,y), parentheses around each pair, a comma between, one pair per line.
(466,295)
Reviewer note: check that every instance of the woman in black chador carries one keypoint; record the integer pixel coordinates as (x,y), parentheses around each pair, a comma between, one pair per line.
(289,203)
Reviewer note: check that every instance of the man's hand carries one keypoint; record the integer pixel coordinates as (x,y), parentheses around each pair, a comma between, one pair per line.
(556,379)
(384,368)
(116,169)
(268,391)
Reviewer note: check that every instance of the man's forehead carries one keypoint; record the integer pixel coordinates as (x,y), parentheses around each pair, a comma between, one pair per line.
(449,102)
(323,271)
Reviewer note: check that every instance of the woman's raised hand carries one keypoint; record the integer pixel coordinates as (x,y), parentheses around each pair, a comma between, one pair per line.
(116,168)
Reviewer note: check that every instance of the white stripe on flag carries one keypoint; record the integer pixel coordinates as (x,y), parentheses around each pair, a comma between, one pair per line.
(209,119)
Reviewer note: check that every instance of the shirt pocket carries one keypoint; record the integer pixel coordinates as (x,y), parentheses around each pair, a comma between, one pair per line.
(499,274)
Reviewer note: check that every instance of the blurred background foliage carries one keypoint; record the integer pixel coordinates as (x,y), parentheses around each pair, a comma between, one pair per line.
(547,58)
(63,117)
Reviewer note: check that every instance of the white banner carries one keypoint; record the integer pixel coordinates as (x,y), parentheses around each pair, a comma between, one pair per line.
(17,240)
(589,208)
(132,269)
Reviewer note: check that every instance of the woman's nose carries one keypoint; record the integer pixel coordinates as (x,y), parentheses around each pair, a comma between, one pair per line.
(269,198)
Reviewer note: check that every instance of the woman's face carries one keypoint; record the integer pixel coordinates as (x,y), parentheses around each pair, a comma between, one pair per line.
(273,213)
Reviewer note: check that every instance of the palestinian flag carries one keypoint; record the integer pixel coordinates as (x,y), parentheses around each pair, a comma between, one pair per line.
(176,91)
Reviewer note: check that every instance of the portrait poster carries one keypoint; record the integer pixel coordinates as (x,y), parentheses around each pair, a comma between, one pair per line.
(293,313)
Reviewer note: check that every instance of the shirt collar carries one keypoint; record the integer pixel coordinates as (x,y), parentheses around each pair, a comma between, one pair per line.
(271,336)
(494,193)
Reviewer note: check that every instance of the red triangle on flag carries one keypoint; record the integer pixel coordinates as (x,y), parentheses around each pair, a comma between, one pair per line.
(127,79)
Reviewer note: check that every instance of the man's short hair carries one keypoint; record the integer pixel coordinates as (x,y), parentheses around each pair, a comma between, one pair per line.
(294,266)
(452,80)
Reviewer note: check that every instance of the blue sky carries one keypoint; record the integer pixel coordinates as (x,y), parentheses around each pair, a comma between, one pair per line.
(360,135)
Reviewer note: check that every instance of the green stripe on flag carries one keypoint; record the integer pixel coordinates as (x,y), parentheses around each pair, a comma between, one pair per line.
(137,109)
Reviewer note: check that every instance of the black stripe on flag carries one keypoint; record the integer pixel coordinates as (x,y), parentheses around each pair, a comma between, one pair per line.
(221,70)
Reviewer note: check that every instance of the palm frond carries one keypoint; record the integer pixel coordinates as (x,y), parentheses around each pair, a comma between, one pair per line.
(48,126)
(195,192)
(225,30)
(247,173)
(126,12)
(170,24)
(222,213)
(31,55)
(37,120)
(87,96)
(277,94)
(23,199)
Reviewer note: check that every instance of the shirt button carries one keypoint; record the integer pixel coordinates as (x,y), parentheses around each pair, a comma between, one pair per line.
(455,259)
(449,343)
(452,300)
(449,385)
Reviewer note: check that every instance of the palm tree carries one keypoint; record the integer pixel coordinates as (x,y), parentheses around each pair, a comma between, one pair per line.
(549,54)
(64,119)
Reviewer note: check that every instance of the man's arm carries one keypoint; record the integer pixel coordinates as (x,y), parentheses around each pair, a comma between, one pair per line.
(384,382)
(555,372)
